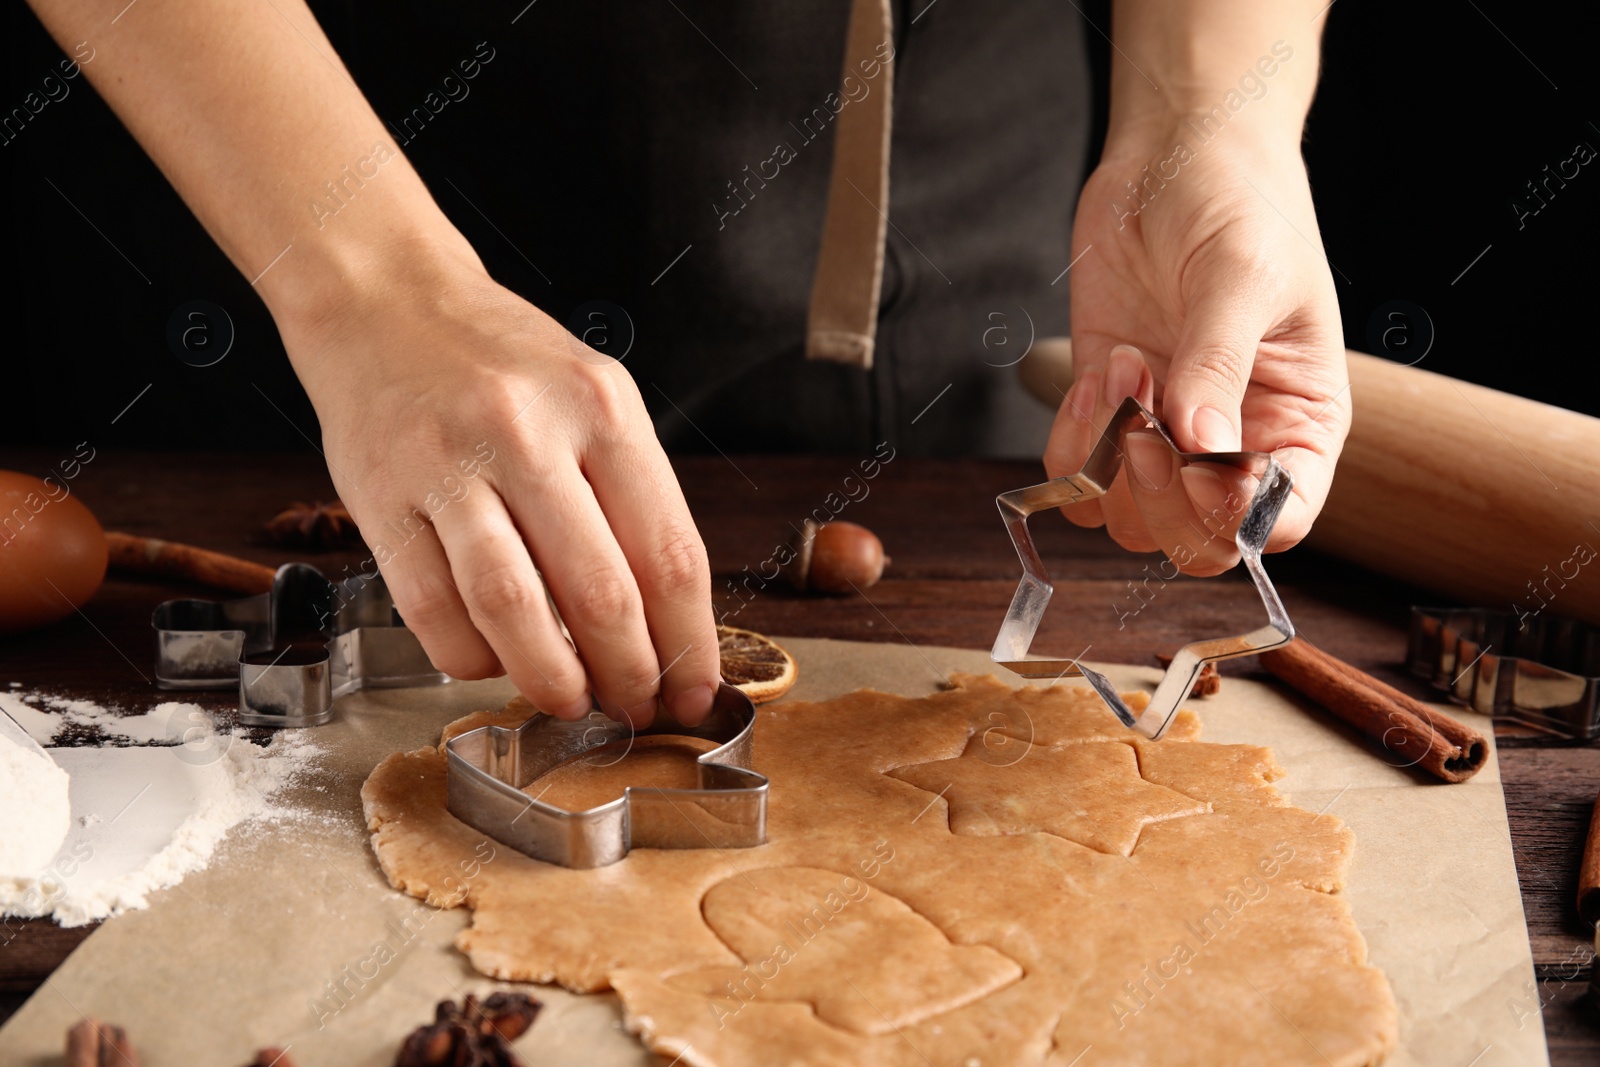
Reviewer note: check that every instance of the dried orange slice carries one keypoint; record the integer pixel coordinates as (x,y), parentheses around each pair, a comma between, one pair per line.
(755,664)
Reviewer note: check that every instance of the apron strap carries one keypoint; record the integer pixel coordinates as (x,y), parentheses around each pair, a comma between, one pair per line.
(842,323)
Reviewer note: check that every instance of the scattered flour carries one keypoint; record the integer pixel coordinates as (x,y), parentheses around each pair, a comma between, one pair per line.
(41,725)
(141,818)
(167,722)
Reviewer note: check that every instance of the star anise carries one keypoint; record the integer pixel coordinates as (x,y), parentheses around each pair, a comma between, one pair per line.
(476,1034)
(318,525)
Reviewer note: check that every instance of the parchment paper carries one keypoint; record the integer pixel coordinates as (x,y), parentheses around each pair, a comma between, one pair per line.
(243,954)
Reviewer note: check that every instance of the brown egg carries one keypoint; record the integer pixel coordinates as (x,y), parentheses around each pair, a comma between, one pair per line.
(52,552)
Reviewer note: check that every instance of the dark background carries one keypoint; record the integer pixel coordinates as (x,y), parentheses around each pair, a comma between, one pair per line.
(1430,121)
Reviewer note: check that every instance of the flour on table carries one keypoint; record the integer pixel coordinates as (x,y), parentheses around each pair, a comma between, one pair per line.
(141,817)
(45,717)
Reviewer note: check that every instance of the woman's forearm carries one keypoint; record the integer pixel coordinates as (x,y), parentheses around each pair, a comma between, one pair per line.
(1246,64)
(257,124)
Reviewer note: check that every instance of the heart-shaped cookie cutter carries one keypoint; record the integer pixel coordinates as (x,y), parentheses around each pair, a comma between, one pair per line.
(291,651)
(487,770)
(1011,646)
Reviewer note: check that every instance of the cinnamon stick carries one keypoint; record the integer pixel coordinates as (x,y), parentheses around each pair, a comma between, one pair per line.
(1208,683)
(169,559)
(1407,727)
(92,1043)
(1589,872)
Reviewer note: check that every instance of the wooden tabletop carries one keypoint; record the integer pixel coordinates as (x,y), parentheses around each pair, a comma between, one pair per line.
(951,575)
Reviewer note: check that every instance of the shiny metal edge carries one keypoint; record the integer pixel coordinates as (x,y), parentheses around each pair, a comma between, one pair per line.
(1027,609)
(479,762)
(1499,663)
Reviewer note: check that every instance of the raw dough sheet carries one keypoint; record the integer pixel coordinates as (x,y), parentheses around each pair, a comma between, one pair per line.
(988,876)
(252,951)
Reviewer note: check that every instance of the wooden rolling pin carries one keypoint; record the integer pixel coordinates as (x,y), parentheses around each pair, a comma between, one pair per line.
(1476,494)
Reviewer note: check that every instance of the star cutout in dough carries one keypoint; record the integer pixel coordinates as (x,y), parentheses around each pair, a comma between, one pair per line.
(1090,793)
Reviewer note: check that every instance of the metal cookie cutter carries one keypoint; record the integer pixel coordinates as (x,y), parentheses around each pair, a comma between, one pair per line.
(1542,671)
(488,768)
(291,651)
(1011,646)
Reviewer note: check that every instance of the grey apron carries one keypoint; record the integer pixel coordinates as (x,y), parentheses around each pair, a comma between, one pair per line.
(668,169)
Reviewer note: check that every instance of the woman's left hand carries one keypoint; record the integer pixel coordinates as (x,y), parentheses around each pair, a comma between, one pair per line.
(1202,289)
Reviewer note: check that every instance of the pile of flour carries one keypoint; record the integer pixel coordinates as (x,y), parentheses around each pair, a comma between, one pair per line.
(142,816)
(37,813)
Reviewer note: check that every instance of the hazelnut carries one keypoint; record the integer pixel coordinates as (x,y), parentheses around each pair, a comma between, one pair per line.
(834,558)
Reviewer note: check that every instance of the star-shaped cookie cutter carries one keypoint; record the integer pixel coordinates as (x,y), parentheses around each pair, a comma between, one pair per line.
(1011,646)
(291,651)
(487,770)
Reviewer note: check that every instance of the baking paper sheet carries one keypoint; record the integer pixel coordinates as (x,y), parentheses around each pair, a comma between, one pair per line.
(274,943)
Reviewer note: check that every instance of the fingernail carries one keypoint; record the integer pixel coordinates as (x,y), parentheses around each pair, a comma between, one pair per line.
(1213,431)
(691,706)
(1208,494)
(1150,460)
(1123,373)
(575,710)
(641,714)
(1080,398)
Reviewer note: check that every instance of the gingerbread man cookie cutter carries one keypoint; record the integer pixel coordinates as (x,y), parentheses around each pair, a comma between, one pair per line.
(488,769)
(1012,645)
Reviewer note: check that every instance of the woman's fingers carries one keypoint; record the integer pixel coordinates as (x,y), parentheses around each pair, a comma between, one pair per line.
(1312,472)
(469,361)
(1126,375)
(1215,356)
(418,576)
(1071,438)
(1155,503)
(505,600)
(638,492)
(1191,512)
(577,553)
(1080,422)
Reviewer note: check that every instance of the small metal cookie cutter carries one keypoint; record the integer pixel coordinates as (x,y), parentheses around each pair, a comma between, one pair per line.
(1011,646)
(488,768)
(1542,671)
(291,651)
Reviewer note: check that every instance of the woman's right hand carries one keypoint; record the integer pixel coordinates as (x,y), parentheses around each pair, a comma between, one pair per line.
(486,453)
(418,363)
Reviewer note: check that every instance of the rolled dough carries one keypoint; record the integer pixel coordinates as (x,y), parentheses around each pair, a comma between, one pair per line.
(983,876)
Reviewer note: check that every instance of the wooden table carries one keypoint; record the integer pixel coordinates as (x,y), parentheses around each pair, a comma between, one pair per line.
(951,576)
